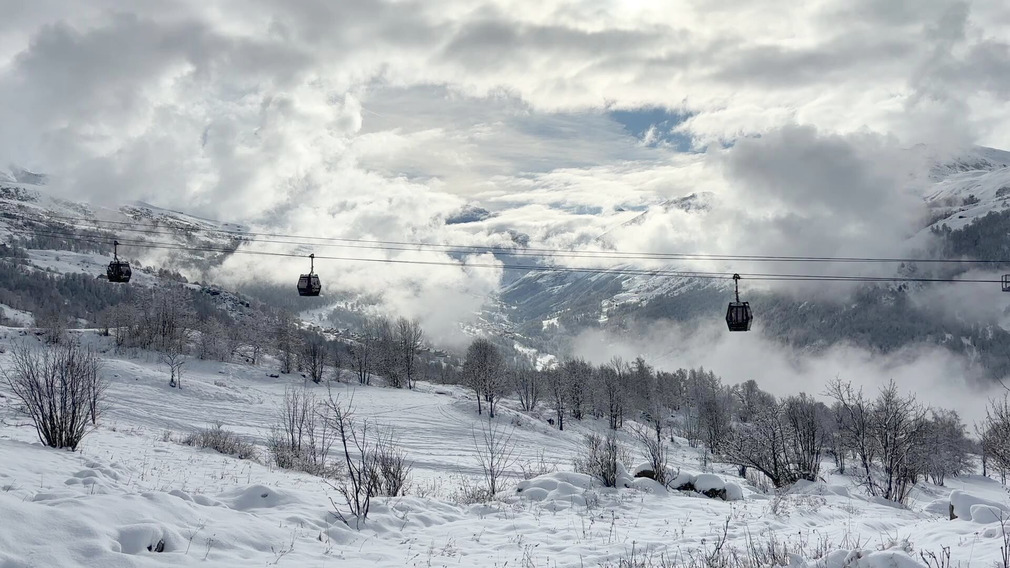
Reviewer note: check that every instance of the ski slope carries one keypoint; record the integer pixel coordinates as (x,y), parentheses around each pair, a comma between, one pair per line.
(131,485)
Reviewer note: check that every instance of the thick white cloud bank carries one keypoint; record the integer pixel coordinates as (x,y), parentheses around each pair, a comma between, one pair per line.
(377,120)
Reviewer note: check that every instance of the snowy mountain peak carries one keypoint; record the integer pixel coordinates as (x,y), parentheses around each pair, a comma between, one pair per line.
(974,159)
(21,175)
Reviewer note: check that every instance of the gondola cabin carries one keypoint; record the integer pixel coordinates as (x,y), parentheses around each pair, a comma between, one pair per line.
(738,314)
(308,284)
(119,270)
(1006,282)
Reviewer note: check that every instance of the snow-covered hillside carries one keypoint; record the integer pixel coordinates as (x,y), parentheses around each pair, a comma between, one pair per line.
(28,211)
(133,496)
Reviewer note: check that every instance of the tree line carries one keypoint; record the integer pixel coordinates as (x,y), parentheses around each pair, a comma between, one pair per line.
(887,440)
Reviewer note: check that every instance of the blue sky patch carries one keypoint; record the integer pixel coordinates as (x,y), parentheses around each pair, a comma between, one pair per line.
(660,121)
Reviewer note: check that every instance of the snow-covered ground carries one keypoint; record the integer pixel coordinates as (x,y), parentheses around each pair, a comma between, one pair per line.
(20,317)
(132,485)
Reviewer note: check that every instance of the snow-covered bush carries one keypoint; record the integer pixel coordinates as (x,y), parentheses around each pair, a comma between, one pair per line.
(59,388)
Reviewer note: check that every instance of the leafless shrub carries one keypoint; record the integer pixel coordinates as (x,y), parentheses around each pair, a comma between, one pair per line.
(394,469)
(760,481)
(59,388)
(470,492)
(537,467)
(654,450)
(1004,548)
(374,464)
(934,560)
(302,439)
(716,552)
(602,457)
(223,441)
(362,472)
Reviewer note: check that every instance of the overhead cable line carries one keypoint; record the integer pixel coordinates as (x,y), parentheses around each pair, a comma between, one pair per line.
(341,242)
(624,271)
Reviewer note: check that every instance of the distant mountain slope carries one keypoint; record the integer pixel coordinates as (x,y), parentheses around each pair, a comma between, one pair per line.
(969,204)
(40,221)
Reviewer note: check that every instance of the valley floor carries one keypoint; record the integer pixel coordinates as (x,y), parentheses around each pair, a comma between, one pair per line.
(131,485)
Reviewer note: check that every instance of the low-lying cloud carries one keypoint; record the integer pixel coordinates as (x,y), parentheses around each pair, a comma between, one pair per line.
(936,376)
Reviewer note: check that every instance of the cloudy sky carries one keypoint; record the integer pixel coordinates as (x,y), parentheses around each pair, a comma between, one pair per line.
(378,119)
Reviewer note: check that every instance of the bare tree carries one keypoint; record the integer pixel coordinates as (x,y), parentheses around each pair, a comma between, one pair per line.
(612,383)
(336,358)
(59,388)
(897,428)
(174,357)
(361,355)
(577,375)
(884,433)
(53,322)
(557,392)
(945,449)
(671,388)
(409,337)
(526,382)
(784,441)
(118,319)
(387,356)
(495,452)
(286,341)
(640,384)
(751,400)
(715,409)
(253,339)
(314,357)
(854,420)
(213,339)
(807,435)
(994,432)
(482,371)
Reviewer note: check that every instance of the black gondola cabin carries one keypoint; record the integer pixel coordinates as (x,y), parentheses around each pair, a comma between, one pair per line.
(308,284)
(738,314)
(119,270)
